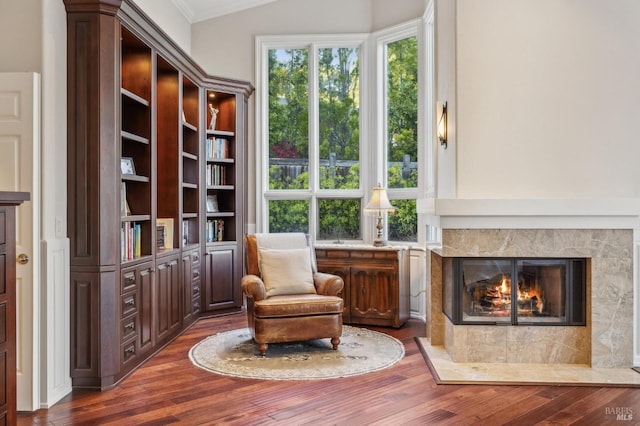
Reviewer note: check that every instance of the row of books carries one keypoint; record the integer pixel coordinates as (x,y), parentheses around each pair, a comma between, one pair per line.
(130,241)
(216,174)
(217,148)
(214,230)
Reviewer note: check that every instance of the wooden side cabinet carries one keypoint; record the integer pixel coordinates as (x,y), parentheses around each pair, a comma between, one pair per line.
(8,203)
(376,282)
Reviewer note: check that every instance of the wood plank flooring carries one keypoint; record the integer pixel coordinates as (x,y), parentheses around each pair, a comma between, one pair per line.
(168,389)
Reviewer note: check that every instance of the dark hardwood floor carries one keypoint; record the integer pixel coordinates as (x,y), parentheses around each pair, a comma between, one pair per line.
(170,390)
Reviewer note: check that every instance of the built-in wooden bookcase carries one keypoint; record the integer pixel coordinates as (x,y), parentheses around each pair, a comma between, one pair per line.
(191,195)
(135,133)
(167,135)
(225,199)
(221,168)
(141,271)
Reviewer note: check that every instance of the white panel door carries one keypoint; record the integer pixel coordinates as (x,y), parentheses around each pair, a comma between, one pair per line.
(20,171)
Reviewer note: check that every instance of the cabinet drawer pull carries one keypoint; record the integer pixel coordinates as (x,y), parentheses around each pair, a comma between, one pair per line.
(129,279)
(130,327)
(130,302)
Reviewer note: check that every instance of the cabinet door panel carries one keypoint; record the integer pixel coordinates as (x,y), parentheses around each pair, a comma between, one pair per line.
(373,293)
(221,288)
(167,298)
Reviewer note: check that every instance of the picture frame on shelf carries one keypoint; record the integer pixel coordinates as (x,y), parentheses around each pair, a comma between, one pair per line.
(164,229)
(124,204)
(126,166)
(212,204)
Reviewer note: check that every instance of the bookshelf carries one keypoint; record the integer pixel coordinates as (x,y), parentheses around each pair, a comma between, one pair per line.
(135,149)
(190,163)
(224,199)
(141,269)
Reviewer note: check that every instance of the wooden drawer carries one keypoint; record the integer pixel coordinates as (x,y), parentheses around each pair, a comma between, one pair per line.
(128,351)
(128,281)
(129,304)
(129,328)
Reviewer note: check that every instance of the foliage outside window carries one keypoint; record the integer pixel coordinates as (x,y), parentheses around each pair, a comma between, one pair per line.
(402,134)
(403,224)
(321,164)
(289,216)
(317,159)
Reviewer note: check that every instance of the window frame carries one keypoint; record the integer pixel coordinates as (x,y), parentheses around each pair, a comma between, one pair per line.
(314,43)
(373,123)
(380,39)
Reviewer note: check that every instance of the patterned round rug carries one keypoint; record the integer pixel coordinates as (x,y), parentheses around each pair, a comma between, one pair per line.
(234,353)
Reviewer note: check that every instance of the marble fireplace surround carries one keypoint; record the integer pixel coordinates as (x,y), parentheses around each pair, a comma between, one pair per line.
(605,231)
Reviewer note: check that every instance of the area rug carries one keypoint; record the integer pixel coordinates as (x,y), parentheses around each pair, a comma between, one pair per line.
(234,353)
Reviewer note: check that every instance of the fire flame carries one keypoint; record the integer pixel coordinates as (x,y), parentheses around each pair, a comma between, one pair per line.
(504,288)
(533,295)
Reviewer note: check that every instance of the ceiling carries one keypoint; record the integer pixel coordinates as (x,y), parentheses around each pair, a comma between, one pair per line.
(200,10)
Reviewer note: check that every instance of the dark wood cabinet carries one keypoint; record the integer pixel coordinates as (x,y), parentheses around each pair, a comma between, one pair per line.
(8,203)
(191,270)
(222,290)
(168,297)
(136,313)
(376,282)
(137,132)
(225,198)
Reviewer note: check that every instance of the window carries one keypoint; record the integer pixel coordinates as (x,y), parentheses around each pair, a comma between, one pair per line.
(401,112)
(319,152)
(313,123)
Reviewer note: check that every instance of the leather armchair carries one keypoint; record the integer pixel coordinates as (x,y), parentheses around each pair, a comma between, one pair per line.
(290,317)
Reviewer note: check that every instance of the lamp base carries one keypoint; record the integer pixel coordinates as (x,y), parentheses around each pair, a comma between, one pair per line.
(379,243)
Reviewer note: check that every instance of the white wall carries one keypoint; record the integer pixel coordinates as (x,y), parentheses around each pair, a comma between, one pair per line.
(445,75)
(170,19)
(21,35)
(548,98)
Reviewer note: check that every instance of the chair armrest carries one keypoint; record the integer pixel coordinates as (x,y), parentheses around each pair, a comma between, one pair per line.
(328,284)
(254,287)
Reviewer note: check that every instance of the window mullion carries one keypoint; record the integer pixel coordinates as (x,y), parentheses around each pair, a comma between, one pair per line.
(314,123)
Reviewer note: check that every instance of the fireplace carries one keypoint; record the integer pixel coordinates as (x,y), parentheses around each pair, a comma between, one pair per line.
(514,291)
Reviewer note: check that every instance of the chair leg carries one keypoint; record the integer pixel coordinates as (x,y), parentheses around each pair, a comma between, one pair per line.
(262,347)
(335,342)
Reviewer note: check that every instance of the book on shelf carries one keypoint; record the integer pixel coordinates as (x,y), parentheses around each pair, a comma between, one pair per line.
(217,148)
(130,241)
(185,232)
(212,203)
(216,175)
(214,231)
(164,233)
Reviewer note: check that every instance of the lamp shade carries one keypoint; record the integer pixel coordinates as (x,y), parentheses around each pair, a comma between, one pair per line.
(379,201)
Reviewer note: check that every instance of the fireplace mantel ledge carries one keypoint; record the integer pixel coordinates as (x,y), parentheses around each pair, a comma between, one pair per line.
(542,213)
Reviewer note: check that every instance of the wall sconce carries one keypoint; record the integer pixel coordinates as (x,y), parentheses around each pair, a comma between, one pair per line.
(378,204)
(443,125)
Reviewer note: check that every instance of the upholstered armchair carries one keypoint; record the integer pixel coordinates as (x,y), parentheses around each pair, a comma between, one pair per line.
(287,299)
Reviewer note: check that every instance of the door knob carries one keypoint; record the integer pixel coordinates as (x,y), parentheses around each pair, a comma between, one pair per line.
(23,259)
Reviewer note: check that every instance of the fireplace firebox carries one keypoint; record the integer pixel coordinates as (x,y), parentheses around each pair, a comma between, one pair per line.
(515,291)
